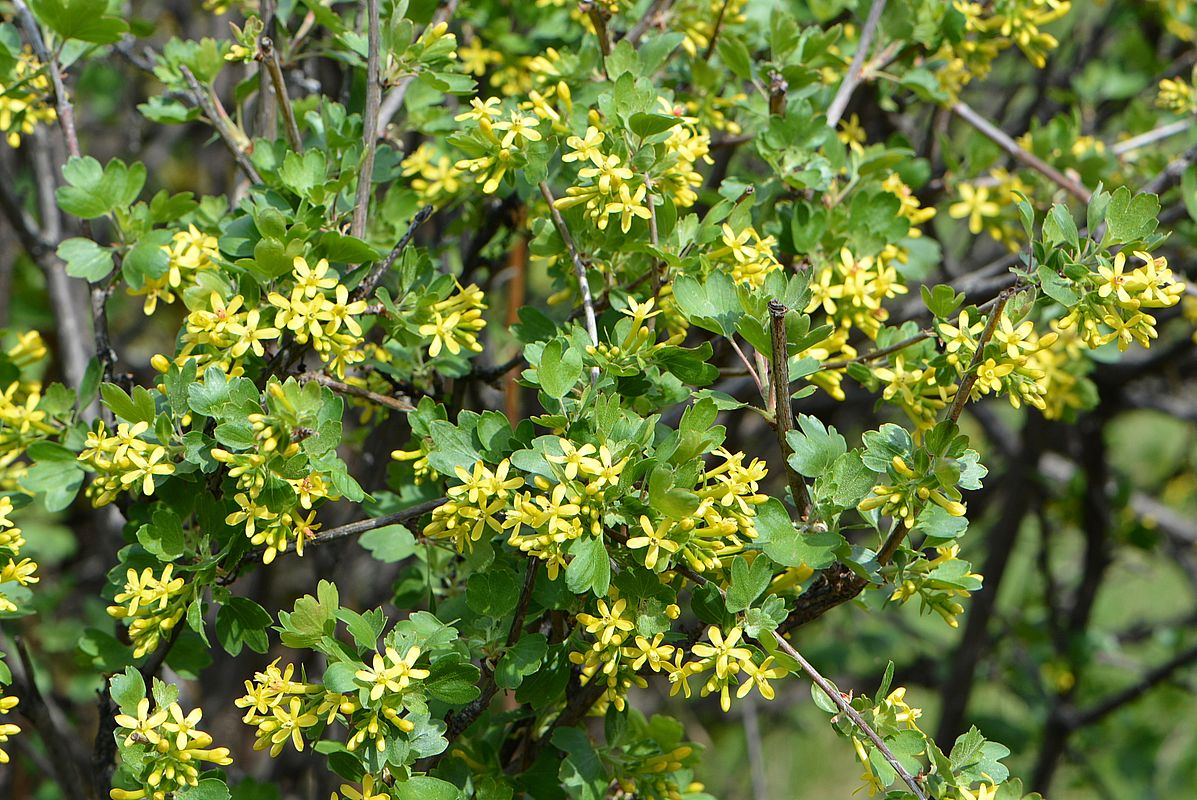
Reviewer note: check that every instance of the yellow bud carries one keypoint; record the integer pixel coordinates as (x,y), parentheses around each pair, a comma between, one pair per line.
(901,468)
(162,364)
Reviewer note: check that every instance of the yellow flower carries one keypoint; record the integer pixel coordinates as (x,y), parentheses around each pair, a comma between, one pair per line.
(585,148)
(655,539)
(975,205)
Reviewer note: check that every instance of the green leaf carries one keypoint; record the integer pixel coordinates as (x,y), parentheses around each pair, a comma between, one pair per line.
(389,543)
(815,446)
(206,789)
(1130,218)
(521,660)
(1056,287)
(493,593)
(163,538)
(339,677)
(786,545)
(453,681)
(646,125)
(590,569)
(422,787)
(747,582)
(734,54)
(559,369)
(942,300)
(85,259)
(127,689)
(85,20)
(241,621)
(713,306)
(94,191)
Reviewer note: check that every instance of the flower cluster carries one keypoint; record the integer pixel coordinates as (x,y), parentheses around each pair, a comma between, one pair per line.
(189,253)
(1112,308)
(153,605)
(318,312)
(746,255)
(171,749)
(454,323)
(284,516)
(729,663)
(850,290)
(123,460)
(938,582)
(991,28)
(23,103)
(22,418)
(382,701)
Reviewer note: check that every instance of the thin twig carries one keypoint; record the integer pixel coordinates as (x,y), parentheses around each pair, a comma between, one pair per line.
(598,18)
(882,352)
(657,9)
(751,370)
(1025,157)
(1117,700)
(970,376)
(365,175)
(393,403)
(370,282)
(855,73)
(204,100)
(1151,137)
(715,32)
(851,713)
(394,99)
(267,54)
(579,271)
(779,377)
(62,100)
(403,517)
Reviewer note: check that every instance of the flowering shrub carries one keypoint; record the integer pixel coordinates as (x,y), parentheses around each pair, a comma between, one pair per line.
(645,230)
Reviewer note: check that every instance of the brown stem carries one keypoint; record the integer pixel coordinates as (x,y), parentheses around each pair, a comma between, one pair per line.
(855,73)
(222,125)
(779,377)
(1012,148)
(579,270)
(393,403)
(268,55)
(970,376)
(715,33)
(841,702)
(372,279)
(365,175)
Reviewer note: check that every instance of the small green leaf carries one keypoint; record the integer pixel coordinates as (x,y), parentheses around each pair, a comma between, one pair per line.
(85,259)
(748,582)
(590,568)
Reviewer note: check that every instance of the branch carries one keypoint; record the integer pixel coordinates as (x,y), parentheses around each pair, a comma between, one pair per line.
(370,282)
(579,271)
(365,175)
(48,720)
(715,33)
(1028,159)
(458,722)
(921,336)
(62,100)
(855,73)
(403,517)
(970,377)
(1151,137)
(220,122)
(1128,695)
(267,54)
(783,413)
(657,9)
(598,18)
(841,702)
(393,403)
